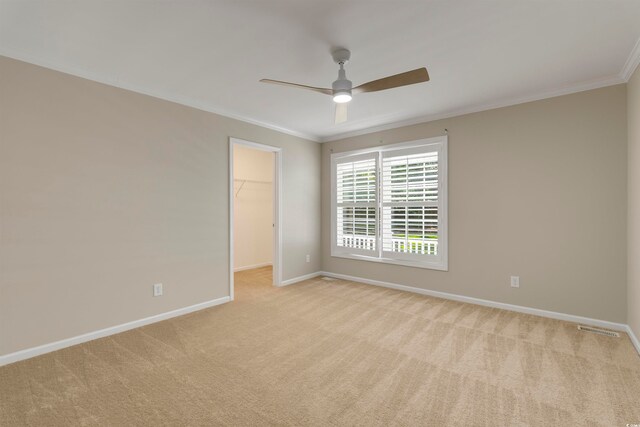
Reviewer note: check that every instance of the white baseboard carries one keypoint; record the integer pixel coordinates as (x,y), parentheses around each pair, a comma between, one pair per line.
(301,278)
(251,267)
(68,342)
(487,303)
(634,338)
(47,348)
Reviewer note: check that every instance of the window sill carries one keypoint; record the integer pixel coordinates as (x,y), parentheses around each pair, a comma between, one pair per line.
(440,266)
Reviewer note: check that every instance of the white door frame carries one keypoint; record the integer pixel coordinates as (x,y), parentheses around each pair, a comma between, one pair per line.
(277,209)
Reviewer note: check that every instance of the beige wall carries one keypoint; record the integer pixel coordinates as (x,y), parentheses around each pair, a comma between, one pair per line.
(252,207)
(536,190)
(633,218)
(104,192)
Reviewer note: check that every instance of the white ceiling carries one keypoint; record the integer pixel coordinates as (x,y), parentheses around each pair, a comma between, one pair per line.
(211,54)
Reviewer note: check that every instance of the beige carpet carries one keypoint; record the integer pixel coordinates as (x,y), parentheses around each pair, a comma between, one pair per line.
(332,353)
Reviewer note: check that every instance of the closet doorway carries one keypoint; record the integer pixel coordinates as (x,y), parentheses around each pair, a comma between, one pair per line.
(254,214)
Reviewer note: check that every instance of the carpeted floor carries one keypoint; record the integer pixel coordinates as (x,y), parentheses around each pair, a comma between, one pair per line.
(332,353)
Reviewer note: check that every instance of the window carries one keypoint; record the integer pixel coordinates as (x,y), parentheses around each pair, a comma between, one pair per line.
(389,204)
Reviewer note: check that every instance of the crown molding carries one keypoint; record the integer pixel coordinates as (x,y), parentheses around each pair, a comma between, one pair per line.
(625,74)
(632,62)
(505,102)
(53,65)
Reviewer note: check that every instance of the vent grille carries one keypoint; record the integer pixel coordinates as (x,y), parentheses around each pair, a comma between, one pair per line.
(328,279)
(598,331)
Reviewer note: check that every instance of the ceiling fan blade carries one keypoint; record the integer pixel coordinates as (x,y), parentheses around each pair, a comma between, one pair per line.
(315,89)
(419,75)
(341,112)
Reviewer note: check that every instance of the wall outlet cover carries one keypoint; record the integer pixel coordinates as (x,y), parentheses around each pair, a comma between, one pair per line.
(157,289)
(515,281)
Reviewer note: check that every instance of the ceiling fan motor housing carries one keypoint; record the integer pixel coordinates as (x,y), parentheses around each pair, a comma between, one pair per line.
(342,87)
(342,84)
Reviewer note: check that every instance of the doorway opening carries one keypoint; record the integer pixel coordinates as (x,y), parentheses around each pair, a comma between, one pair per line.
(255,248)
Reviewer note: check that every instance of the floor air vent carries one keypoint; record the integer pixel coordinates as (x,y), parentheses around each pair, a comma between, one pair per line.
(598,331)
(328,279)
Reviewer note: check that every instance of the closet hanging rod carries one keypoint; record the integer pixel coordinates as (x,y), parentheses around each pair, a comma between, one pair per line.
(252,180)
(244,181)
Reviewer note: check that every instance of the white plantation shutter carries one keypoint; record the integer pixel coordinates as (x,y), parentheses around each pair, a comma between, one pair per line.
(389,204)
(410,188)
(356,204)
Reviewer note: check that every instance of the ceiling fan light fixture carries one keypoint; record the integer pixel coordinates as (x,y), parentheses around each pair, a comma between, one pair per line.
(342,97)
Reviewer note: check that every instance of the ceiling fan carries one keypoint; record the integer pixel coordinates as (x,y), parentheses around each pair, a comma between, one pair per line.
(342,89)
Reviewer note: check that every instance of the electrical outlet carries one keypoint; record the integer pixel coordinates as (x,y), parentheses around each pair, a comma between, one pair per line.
(157,290)
(308,258)
(515,281)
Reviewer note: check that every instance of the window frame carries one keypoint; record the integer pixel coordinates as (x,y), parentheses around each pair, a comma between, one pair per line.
(432,262)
